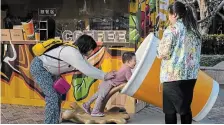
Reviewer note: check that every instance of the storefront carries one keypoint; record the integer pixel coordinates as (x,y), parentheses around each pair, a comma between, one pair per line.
(114,33)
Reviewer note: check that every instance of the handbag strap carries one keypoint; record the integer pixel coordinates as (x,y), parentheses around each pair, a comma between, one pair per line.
(59,60)
(52,57)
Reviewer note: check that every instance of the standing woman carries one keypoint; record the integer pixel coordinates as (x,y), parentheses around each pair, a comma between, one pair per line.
(180,50)
(44,69)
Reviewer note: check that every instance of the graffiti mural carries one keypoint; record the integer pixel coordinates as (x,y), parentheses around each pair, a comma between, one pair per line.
(141,19)
(16,61)
(99,59)
(18,86)
(144,15)
(82,83)
(163,13)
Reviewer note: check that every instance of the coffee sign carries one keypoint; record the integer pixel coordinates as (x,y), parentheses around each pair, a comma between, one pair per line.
(98,35)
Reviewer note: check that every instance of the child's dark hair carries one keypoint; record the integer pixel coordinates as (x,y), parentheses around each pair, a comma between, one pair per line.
(185,13)
(127,56)
(85,43)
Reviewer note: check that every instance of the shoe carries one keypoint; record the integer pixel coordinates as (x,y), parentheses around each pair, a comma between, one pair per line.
(86,109)
(97,114)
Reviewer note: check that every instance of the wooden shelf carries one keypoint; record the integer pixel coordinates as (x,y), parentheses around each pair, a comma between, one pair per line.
(109,44)
(123,44)
(20,42)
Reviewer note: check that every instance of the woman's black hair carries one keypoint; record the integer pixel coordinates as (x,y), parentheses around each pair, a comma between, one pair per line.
(85,43)
(185,13)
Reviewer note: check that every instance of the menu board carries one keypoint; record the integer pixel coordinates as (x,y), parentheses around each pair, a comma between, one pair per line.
(109,23)
(101,24)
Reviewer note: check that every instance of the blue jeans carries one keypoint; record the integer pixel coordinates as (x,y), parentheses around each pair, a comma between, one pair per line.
(45,80)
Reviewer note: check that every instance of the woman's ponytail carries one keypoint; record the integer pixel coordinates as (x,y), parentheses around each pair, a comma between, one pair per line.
(185,13)
(190,22)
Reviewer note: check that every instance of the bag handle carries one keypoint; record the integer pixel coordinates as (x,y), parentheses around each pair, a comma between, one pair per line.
(59,61)
(60,53)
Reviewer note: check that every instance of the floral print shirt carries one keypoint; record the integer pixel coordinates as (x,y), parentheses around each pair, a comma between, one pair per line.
(180,52)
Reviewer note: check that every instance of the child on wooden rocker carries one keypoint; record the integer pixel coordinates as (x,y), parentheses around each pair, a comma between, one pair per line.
(122,76)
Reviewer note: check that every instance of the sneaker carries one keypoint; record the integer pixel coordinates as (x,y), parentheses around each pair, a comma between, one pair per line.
(86,108)
(97,114)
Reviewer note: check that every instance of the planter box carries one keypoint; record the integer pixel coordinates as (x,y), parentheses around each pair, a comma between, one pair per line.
(216,73)
(131,105)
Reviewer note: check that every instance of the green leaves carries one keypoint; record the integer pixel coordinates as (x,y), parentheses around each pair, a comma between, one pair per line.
(133,30)
(81,84)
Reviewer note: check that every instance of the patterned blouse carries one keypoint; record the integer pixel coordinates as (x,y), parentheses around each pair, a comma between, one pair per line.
(180,52)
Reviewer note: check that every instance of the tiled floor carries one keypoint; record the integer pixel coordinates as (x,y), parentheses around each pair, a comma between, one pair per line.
(17,114)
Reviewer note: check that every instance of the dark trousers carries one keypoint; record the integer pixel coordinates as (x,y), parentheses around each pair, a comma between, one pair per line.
(177,98)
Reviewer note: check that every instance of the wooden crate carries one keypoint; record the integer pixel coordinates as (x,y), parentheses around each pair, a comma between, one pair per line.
(131,105)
